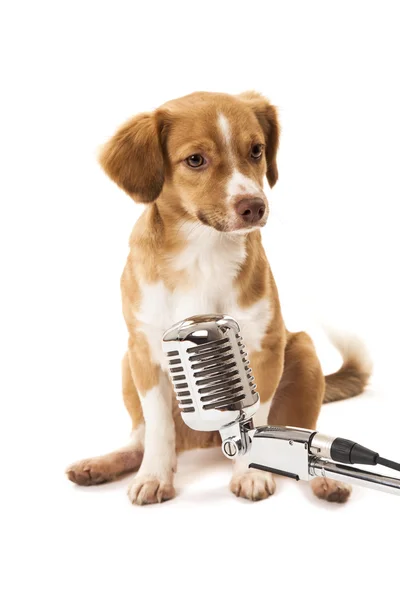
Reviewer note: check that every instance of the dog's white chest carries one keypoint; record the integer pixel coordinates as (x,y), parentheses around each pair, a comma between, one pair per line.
(211,269)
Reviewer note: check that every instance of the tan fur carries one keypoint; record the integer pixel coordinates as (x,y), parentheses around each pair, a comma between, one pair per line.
(146,158)
(255,280)
(354,374)
(144,372)
(93,471)
(130,395)
(139,174)
(330,490)
(267,115)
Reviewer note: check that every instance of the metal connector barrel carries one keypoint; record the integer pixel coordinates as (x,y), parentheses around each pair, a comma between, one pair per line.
(376,481)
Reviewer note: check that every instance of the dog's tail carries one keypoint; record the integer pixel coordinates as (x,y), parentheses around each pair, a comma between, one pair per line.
(354,374)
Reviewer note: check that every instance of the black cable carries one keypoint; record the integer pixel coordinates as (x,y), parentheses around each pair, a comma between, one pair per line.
(388,463)
(347,451)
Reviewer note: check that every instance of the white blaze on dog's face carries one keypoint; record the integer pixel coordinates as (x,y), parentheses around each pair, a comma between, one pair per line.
(203,156)
(238,183)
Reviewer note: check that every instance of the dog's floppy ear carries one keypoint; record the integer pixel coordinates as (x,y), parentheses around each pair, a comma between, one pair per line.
(267,116)
(133,158)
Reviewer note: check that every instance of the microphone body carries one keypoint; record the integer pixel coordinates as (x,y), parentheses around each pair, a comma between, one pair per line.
(212,378)
(215,390)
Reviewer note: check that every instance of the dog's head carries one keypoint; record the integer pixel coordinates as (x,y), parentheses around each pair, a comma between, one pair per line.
(204,156)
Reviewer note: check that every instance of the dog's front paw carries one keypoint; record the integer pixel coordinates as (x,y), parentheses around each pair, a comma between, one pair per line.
(108,467)
(147,489)
(253,485)
(330,490)
(91,471)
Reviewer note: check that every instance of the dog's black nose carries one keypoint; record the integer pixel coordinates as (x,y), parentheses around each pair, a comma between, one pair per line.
(251,210)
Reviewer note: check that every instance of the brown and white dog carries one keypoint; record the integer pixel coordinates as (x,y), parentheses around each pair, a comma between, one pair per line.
(198,164)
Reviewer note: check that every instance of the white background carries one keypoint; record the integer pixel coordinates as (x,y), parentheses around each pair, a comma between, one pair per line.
(71,73)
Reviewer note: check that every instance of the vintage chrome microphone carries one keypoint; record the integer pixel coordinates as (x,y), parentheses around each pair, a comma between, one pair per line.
(212,378)
(215,389)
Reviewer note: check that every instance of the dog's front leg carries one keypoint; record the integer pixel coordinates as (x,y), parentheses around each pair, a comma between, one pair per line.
(154,480)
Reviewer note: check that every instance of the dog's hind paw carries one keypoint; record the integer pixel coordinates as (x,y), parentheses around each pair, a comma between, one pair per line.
(331,490)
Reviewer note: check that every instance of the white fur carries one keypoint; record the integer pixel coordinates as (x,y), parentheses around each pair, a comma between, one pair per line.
(351,348)
(237,183)
(225,129)
(137,438)
(211,261)
(204,246)
(240,184)
(159,458)
(247,479)
(253,322)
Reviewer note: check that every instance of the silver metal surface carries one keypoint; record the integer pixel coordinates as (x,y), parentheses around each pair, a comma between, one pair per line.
(282,449)
(287,450)
(376,481)
(285,433)
(210,371)
(321,445)
(236,437)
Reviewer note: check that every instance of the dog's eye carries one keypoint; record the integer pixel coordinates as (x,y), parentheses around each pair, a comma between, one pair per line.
(256,151)
(195,161)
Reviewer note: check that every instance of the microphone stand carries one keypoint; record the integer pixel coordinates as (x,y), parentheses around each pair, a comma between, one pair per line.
(298,454)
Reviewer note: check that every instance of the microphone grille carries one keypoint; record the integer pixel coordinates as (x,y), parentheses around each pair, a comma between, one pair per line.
(210,371)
